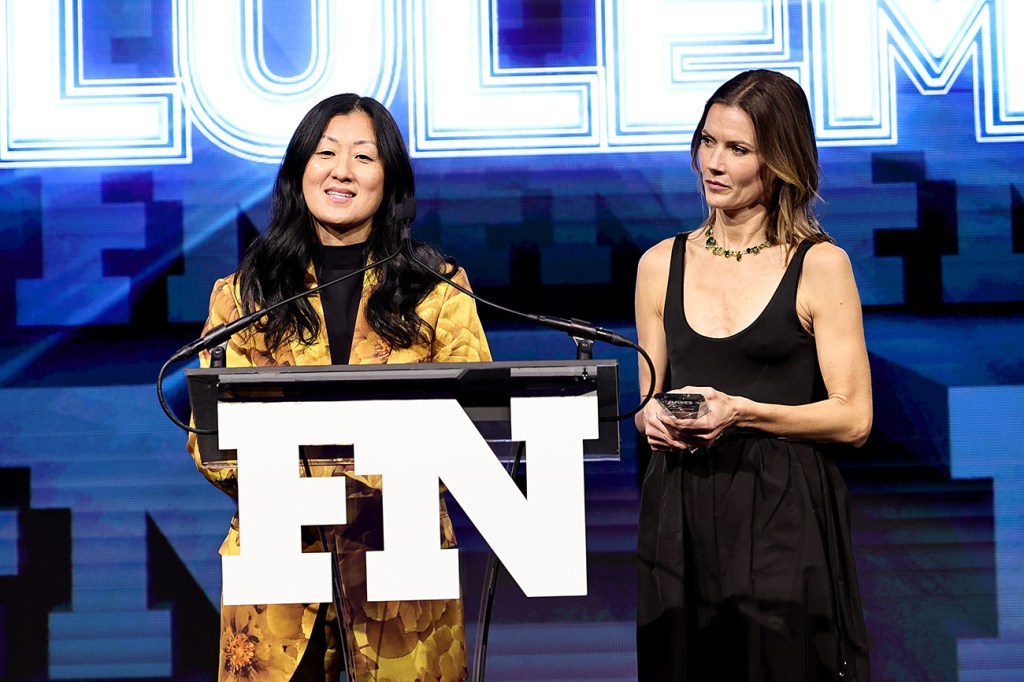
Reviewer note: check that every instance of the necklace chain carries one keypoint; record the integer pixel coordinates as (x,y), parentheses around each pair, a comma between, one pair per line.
(712,246)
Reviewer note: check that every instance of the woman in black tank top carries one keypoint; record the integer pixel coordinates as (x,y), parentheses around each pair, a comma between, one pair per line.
(746,569)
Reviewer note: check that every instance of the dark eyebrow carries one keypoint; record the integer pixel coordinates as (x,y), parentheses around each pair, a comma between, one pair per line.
(739,143)
(357,142)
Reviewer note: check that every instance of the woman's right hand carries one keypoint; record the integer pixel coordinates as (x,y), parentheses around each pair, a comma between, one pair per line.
(666,431)
(661,432)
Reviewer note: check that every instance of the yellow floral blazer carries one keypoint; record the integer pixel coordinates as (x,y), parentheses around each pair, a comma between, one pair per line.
(421,640)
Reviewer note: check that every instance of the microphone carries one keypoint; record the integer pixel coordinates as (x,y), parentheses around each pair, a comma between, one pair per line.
(578,329)
(222,332)
(216,336)
(405,214)
(583,329)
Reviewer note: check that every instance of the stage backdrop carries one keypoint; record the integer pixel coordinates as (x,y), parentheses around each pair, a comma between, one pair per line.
(138,144)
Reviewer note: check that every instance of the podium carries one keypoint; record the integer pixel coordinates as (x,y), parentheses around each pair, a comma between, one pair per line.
(483,389)
(485,392)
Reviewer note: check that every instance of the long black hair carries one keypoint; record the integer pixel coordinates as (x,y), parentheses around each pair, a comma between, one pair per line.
(276,264)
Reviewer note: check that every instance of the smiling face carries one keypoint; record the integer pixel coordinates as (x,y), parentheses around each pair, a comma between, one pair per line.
(732,171)
(343,183)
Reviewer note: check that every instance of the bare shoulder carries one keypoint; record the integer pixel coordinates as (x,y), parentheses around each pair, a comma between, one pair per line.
(656,260)
(826,260)
(827,283)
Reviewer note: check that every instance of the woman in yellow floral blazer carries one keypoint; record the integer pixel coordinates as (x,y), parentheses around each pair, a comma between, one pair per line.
(344,173)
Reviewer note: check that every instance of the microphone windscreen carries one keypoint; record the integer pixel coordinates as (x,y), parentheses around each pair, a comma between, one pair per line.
(406,210)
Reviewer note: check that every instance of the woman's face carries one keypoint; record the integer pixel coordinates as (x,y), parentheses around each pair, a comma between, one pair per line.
(732,170)
(343,183)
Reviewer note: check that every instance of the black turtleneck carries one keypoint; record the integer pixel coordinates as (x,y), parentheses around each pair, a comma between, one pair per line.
(341,301)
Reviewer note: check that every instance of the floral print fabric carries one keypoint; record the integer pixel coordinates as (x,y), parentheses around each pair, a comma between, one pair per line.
(396,641)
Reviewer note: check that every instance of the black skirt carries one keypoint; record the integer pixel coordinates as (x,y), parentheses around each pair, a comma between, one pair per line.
(746,568)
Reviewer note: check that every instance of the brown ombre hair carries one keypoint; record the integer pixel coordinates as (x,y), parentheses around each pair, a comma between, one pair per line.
(785,140)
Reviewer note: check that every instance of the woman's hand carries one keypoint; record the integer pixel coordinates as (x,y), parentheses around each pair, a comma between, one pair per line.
(660,429)
(665,431)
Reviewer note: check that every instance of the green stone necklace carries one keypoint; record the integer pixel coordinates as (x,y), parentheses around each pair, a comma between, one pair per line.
(712,246)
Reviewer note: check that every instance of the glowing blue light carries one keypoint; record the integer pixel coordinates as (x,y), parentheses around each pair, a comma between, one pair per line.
(657,62)
(461,101)
(250,113)
(859,46)
(51,115)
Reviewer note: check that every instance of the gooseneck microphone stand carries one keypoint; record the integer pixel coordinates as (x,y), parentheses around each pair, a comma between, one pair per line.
(220,334)
(583,334)
(584,351)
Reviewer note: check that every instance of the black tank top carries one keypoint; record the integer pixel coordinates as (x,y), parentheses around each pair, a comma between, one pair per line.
(772,361)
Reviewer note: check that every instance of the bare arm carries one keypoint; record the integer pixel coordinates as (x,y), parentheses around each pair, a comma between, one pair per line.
(828,296)
(828,299)
(651,286)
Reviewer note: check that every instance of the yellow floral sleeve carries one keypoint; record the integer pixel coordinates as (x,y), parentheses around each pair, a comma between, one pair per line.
(458,334)
(224,308)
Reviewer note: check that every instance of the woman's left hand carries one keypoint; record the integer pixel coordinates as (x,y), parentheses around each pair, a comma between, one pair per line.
(702,431)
